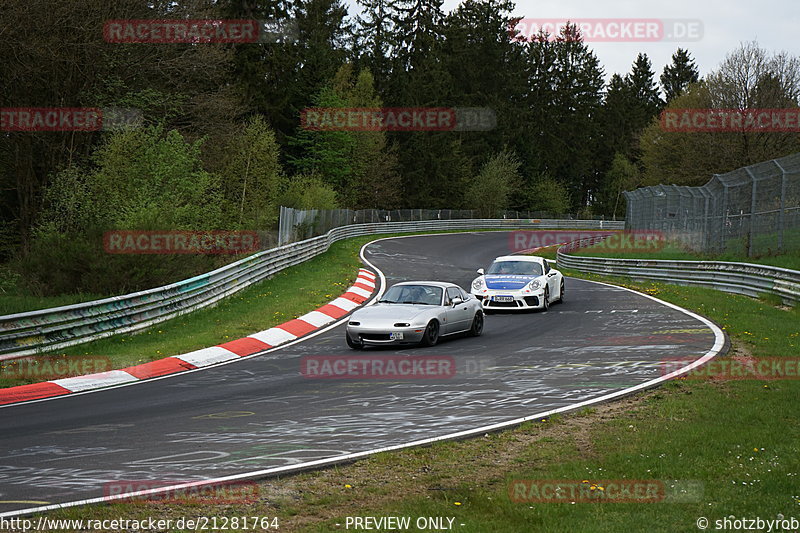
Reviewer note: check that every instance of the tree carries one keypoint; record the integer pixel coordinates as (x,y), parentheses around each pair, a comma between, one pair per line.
(417,28)
(645,91)
(360,165)
(309,191)
(564,102)
(376,38)
(748,78)
(252,175)
(677,76)
(325,153)
(490,190)
(139,179)
(623,176)
(75,67)
(375,183)
(543,194)
(619,133)
(265,72)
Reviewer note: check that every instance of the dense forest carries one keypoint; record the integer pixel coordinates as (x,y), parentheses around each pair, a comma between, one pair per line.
(218,143)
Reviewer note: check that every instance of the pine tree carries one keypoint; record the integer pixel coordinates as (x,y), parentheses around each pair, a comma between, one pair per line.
(375,38)
(679,74)
(645,90)
(565,99)
(418,26)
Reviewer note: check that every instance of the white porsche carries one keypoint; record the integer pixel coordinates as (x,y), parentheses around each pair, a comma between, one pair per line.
(517,282)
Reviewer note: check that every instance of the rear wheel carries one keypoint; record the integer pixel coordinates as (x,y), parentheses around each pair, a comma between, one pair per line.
(353,344)
(431,335)
(477,325)
(561,293)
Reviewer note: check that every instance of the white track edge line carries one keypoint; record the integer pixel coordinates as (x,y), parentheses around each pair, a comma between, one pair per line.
(369,301)
(719,343)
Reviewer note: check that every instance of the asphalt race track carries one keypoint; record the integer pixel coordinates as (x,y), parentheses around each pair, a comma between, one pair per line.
(260,413)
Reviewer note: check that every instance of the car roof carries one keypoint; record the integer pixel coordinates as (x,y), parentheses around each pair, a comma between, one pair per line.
(529,258)
(444,284)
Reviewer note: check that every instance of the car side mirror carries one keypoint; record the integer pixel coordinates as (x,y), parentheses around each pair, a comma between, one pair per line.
(481,271)
(457,300)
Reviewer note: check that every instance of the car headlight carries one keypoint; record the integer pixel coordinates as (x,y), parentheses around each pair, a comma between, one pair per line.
(533,285)
(477,283)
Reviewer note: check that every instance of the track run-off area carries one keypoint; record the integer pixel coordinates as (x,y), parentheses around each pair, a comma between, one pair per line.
(264,414)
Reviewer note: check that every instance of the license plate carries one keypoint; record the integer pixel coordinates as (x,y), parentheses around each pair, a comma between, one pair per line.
(396,336)
(503,298)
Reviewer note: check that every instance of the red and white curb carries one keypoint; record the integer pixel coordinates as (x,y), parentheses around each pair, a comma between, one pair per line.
(355,296)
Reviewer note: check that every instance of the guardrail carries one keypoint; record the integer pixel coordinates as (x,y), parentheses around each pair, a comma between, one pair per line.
(55,328)
(739,278)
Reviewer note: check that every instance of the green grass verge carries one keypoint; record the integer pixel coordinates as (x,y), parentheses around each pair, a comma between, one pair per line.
(737,440)
(674,251)
(289,294)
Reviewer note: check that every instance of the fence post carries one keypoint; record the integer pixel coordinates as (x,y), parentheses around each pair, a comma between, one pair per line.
(723,217)
(282,225)
(752,212)
(782,212)
(706,239)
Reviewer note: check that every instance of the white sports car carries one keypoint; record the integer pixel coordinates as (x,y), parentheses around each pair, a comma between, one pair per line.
(516,282)
(415,312)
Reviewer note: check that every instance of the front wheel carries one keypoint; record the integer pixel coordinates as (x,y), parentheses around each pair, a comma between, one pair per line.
(431,335)
(546,299)
(561,293)
(477,325)
(352,344)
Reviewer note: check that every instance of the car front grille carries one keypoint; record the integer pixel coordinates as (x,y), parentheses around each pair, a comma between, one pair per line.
(491,303)
(533,301)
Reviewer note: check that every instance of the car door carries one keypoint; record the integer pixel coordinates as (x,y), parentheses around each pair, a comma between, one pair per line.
(459,317)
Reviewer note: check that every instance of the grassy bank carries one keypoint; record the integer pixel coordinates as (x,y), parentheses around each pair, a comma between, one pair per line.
(732,442)
(289,294)
(674,251)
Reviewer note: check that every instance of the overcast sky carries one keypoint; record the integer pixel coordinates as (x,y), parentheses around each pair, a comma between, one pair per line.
(775,24)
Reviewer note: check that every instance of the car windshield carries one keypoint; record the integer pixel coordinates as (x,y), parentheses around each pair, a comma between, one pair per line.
(523,268)
(413,294)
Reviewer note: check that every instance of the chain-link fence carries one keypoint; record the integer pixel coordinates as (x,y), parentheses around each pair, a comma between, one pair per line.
(298,224)
(753,210)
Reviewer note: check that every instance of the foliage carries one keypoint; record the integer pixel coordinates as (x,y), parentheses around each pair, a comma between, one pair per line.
(492,187)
